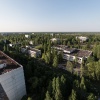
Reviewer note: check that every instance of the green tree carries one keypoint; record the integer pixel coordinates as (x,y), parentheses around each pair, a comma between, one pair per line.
(48,57)
(60,56)
(5,48)
(43,56)
(97,70)
(82,70)
(48,96)
(45,48)
(29,98)
(82,89)
(58,94)
(82,84)
(69,66)
(63,85)
(73,95)
(91,97)
(55,61)
(54,85)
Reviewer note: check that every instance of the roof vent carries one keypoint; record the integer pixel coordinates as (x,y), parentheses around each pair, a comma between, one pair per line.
(3,65)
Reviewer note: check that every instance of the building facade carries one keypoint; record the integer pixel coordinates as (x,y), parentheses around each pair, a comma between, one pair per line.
(12,82)
(31,51)
(34,52)
(82,38)
(73,54)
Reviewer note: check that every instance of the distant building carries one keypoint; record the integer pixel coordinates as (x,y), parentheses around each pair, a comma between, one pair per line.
(34,52)
(33,33)
(55,40)
(72,53)
(82,38)
(10,44)
(52,34)
(31,42)
(27,36)
(16,44)
(31,51)
(12,82)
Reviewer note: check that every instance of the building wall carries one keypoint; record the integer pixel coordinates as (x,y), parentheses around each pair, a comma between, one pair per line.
(80,59)
(13,84)
(68,57)
(72,58)
(34,53)
(27,36)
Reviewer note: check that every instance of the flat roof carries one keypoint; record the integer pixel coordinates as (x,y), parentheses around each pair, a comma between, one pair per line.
(10,63)
(81,53)
(61,46)
(69,49)
(75,51)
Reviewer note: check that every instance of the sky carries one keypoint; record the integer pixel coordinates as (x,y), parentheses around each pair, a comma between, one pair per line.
(49,15)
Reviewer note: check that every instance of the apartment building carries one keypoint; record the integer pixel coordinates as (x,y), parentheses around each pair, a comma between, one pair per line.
(12,82)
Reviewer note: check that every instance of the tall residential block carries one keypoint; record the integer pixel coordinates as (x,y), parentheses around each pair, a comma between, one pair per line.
(12,82)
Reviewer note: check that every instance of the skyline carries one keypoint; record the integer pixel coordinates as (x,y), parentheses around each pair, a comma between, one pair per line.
(49,16)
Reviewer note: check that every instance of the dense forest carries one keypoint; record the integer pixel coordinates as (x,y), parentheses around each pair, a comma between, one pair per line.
(44,80)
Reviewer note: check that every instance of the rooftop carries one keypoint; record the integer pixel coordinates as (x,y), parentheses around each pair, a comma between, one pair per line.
(10,63)
(81,53)
(70,49)
(74,51)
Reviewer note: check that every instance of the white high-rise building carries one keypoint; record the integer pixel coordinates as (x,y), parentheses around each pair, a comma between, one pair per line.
(12,82)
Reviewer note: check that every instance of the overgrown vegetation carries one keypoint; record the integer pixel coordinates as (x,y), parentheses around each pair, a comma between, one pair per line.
(44,80)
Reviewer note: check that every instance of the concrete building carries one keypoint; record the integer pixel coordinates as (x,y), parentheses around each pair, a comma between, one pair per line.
(78,54)
(27,36)
(12,82)
(82,38)
(55,40)
(34,52)
(72,53)
(31,51)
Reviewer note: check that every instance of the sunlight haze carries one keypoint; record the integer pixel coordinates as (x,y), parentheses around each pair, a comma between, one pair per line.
(49,15)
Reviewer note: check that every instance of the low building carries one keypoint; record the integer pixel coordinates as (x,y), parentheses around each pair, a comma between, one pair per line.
(31,51)
(34,52)
(82,38)
(52,34)
(27,36)
(78,54)
(55,40)
(12,82)
(72,53)
(33,33)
